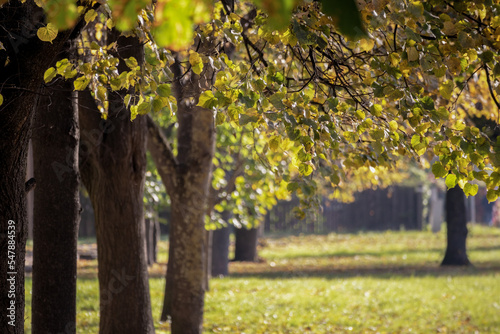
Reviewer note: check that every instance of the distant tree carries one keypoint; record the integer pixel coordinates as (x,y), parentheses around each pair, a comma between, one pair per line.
(456,227)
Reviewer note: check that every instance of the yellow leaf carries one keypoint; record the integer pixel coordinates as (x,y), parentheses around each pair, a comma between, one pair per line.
(48,33)
(49,74)
(366,44)
(412,53)
(196,62)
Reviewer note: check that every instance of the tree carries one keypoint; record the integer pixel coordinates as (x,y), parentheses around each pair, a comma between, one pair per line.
(456,228)
(334,105)
(56,135)
(24,58)
(113,166)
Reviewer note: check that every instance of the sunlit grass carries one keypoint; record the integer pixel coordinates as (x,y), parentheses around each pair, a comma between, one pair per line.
(387,282)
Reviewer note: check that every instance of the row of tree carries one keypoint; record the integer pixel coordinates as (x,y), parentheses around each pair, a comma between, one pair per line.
(323,93)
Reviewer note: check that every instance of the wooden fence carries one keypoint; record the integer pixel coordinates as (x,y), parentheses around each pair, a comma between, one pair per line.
(393,208)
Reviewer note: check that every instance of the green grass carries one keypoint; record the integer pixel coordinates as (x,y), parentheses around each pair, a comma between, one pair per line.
(339,283)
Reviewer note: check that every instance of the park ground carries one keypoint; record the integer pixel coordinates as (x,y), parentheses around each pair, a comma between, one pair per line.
(388,282)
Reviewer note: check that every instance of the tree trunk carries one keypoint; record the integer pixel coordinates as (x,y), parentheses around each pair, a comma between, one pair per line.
(20,79)
(456,223)
(56,212)
(152,237)
(220,252)
(113,165)
(246,244)
(187,178)
(209,236)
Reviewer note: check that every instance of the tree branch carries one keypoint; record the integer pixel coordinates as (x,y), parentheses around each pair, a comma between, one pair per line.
(163,156)
(491,88)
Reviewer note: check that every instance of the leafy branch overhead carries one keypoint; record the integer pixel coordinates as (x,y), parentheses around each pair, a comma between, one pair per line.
(338,85)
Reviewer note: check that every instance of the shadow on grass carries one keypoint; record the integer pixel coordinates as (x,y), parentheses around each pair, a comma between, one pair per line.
(381,254)
(381,272)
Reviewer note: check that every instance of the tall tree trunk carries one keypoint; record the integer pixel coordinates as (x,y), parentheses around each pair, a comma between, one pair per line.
(113,165)
(20,79)
(456,223)
(57,211)
(220,252)
(187,178)
(246,244)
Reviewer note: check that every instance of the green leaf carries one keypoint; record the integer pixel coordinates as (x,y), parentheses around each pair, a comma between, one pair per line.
(347,17)
(415,140)
(376,110)
(102,93)
(305,169)
(1,99)
(335,179)
(442,113)
(49,75)
(446,89)
(245,119)
(116,84)
(131,63)
(143,108)
(81,83)
(438,170)
(292,186)
(47,33)
(220,118)
(451,181)
(279,12)
(303,156)
(207,100)
(233,113)
(492,195)
(470,189)
(164,90)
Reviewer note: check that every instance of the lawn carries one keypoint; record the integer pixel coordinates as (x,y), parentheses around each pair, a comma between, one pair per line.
(338,283)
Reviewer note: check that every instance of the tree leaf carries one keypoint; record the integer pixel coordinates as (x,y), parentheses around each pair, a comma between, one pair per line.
(196,62)
(207,100)
(81,83)
(491,195)
(90,15)
(346,16)
(438,170)
(470,189)
(164,90)
(305,169)
(50,74)
(451,181)
(47,33)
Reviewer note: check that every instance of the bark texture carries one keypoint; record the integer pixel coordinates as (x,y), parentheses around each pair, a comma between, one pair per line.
(113,165)
(456,223)
(246,244)
(20,79)
(56,211)
(187,178)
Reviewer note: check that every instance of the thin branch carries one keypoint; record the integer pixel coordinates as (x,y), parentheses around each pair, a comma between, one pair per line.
(259,52)
(491,89)
(162,154)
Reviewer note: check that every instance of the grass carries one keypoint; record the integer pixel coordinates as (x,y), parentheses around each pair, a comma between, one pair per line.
(338,283)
